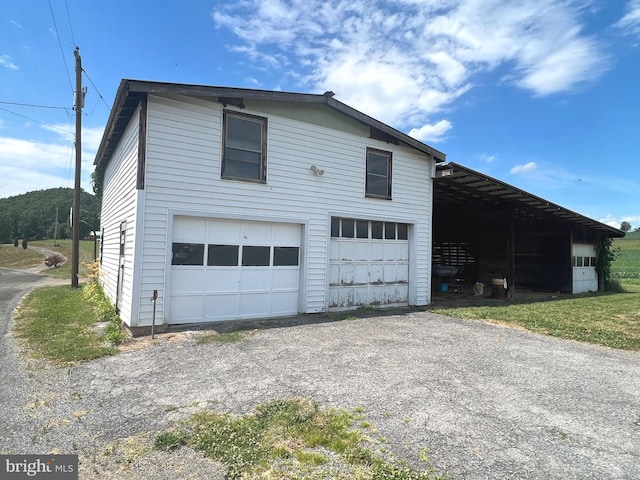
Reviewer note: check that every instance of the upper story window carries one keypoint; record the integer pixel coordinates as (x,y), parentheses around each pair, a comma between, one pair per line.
(244,147)
(378,182)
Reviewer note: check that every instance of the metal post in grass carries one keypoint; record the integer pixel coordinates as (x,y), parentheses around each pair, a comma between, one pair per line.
(153,321)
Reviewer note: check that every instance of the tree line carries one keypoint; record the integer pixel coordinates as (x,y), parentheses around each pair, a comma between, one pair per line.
(32,216)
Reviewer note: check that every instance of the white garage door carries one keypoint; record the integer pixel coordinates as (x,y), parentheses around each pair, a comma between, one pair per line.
(585,277)
(368,263)
(230,269)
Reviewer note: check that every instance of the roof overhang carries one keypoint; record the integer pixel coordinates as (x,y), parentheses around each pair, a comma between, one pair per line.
(131,92)
(459,185)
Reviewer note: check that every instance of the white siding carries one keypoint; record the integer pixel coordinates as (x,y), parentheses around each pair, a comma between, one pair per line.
(183,175)
(119,204)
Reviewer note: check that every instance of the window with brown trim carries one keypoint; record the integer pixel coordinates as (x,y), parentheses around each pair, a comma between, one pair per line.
(244,147)
(378,181)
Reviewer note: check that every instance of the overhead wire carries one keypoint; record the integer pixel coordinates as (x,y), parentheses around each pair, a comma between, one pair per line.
(96,89)
(68,132)
(32,105)
(66,68)
(70,25)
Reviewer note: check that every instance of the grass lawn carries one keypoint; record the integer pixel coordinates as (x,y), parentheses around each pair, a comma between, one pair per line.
(56,324)
(18,257)
(610,319)
(626,267)
(12,257)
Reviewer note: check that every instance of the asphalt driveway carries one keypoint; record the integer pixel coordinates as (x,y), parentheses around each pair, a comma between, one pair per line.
(486,401)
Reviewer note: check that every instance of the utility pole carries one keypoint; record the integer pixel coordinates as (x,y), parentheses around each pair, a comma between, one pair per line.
(55,231)
(79,103)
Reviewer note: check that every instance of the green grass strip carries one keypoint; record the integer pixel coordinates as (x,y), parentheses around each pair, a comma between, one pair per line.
(56,322)
(609,319)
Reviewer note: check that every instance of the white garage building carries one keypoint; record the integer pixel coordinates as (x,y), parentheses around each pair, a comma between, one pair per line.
(237,204)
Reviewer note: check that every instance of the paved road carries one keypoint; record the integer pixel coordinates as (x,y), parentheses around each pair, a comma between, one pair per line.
(15,386)
(488,402)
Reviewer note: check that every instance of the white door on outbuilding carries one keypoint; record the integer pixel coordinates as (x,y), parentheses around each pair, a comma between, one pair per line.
(585,277)
(223,269)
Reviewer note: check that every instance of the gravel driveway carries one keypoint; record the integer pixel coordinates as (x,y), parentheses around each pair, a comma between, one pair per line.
(487,401)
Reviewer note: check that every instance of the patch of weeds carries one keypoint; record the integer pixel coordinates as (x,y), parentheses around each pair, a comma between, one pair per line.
(170,440)
(287,439)
(309,458)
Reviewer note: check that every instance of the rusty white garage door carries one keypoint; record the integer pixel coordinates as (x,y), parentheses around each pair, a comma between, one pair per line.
(231,269)
(368,263)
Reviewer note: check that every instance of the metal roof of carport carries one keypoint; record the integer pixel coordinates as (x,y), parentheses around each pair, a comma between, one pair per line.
(459,185)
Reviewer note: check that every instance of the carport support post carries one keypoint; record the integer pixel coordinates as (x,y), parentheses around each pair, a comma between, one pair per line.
(511,254)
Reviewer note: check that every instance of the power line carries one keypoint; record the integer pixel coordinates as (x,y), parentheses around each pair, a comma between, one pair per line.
(96,89)
(70,25)
(32,105)
(38,121)
(66,68)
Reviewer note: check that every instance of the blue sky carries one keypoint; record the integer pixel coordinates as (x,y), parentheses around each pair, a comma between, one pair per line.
(542,94)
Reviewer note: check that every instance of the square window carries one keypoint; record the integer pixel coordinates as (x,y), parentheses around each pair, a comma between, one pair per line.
(378,181)
(222,255)
(579,261)
(187,254)
(593,261)
(244,147)
(256,256)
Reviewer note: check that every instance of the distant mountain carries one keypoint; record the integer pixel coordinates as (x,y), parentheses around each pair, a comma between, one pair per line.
(33,215)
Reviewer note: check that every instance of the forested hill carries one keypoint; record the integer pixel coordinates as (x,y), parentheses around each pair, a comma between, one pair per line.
(33,215)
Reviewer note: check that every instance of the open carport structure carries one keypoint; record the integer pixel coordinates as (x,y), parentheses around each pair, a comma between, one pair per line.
(486,229)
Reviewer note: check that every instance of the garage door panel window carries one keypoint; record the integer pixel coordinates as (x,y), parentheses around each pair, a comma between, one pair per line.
(222,255)
(403,231)
(348,228)
(362,229)
(285,256)
(376,230)
(187,254)
(256,256)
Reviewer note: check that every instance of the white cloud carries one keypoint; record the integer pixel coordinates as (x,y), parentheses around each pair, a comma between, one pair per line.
(488,158)
(6,62)
(630,22)
(616,221)
(524,169)
(431,133)
(402,62)
(28,165)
